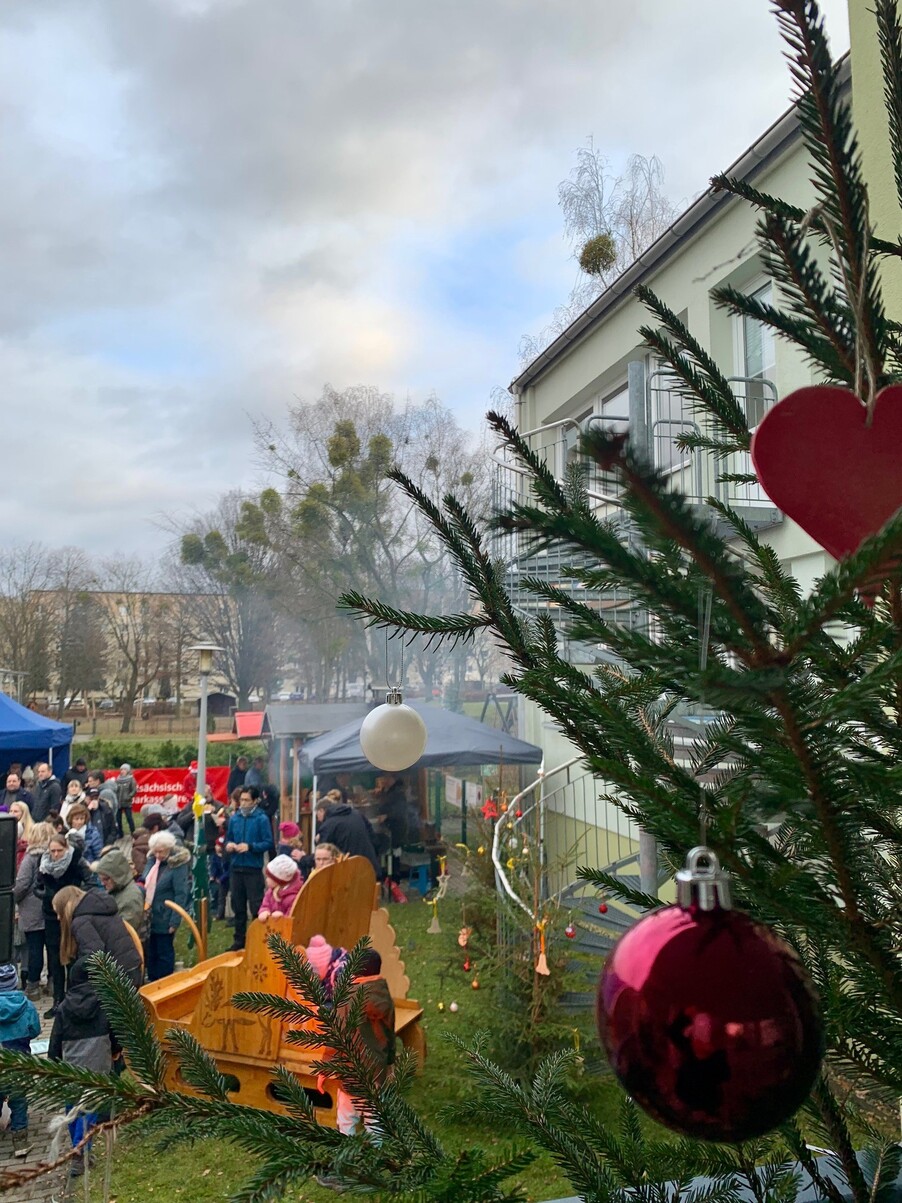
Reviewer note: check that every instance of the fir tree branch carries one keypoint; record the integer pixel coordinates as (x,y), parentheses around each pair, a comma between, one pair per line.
(889,34)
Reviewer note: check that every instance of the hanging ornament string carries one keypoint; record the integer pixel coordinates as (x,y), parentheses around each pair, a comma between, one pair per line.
(393,736)
(705,601)
(396,687)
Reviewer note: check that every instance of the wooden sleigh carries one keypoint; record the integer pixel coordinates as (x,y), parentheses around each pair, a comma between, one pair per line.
(338,902)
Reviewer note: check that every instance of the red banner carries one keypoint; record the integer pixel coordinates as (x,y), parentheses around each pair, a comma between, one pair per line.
(155,784)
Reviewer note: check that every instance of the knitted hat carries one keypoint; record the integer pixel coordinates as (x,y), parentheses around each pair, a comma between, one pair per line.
(319,954)
(282,868)
(9,978)
(290,830)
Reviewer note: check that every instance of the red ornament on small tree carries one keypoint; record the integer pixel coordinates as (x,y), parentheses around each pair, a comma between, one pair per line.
(709,1019)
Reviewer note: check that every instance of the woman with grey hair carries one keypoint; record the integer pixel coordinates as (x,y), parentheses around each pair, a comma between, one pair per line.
(165,881)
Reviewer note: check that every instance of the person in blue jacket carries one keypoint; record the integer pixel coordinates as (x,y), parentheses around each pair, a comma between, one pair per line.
(248,843)
(19,1024)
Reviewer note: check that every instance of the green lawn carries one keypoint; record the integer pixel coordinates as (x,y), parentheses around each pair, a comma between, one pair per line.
(210,1171)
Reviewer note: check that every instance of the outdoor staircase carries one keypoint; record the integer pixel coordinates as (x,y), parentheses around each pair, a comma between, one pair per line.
(596,933)
(565,808)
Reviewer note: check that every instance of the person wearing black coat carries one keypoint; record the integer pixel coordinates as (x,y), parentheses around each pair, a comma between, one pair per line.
(391,808)
(78,772)
(47,794)
(100,814)
(61,865)
(91,923)
(348,830)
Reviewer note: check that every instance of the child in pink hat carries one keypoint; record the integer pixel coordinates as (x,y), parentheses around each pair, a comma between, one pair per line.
(283,884)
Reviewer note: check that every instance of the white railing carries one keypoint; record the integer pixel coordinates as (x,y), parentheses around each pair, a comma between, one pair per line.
(571,822)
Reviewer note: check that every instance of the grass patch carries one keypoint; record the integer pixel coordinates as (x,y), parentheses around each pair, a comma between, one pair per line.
(206,1170)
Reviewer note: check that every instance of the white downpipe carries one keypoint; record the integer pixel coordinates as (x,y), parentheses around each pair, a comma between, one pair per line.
(313,806)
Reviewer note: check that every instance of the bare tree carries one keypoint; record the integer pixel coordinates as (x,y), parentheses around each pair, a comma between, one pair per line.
(73,581)
(608,221)
(27,616)
(135,616)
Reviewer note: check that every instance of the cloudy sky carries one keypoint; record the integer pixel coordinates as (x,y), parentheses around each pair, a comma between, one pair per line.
(209,208)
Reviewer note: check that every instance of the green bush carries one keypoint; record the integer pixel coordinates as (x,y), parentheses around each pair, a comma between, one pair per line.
(162,753)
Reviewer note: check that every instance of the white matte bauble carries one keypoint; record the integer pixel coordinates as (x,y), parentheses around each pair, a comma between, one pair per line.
(393,736)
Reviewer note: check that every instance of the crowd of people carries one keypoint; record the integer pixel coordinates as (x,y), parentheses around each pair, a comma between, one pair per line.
(84,885)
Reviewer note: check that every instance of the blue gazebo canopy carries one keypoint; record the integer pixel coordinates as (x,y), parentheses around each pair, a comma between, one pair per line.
(452,739)
(26,736)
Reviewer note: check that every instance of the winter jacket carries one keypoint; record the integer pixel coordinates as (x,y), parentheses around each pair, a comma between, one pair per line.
(236,779)
(97,927)
(73,774)
(253,778)
(104,820)
(349,831)
(18,1017)
(281,903)
(31,912)
(126,893)
(172,884)
(376,1033)
(140,840)
(93,842)
(392,806)
(255,830)
(81,1030)
(126,787)
(110,795)
(78,873)
(48,795)
(8,796)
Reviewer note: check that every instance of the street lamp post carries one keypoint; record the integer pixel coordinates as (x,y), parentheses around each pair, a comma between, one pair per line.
(201,875)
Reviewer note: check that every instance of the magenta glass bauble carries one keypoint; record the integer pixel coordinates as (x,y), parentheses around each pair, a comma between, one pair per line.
(710,1021)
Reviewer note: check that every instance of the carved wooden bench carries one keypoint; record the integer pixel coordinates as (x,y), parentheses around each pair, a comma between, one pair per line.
(340,903)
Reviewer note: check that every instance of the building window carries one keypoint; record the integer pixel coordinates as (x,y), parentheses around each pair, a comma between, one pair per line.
(756,359)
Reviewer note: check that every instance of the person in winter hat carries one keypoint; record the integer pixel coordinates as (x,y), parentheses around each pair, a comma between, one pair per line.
(325,961)
(283,884)
(19,1025)
(290,841)
(126,788)
(374,1037)
(118,879)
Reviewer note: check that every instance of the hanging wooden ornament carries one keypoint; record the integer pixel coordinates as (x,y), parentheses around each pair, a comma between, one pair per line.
(466,871)
(832,470)
(542,962)
(434,929)
(463,936)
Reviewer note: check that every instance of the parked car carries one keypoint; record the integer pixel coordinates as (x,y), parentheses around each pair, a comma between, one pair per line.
(107,704)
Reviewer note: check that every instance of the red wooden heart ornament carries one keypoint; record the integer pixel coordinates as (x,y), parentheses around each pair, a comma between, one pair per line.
(818,461)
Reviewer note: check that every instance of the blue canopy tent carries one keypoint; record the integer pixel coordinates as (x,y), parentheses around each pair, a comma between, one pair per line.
(26,736)
(452,739)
